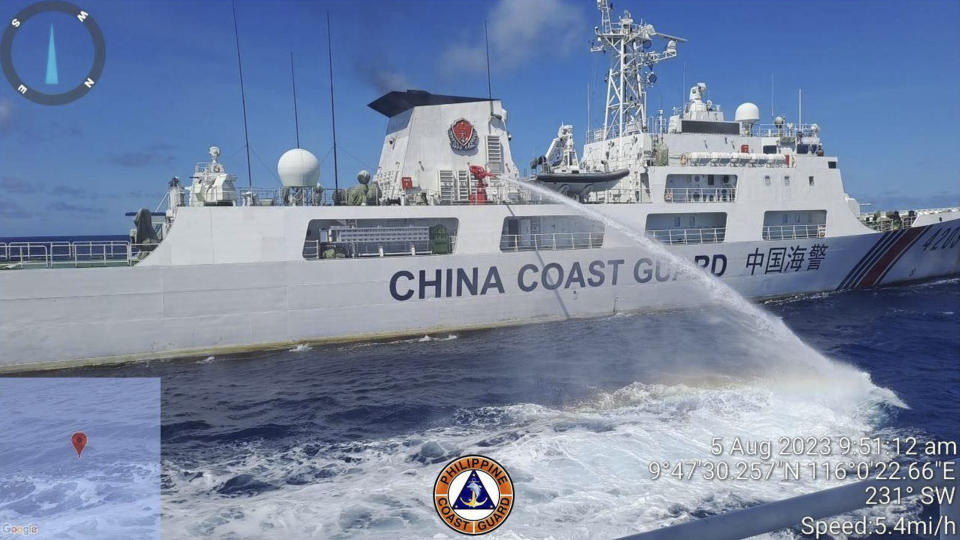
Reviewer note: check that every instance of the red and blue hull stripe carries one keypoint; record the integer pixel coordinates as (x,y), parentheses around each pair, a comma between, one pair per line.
(881,258)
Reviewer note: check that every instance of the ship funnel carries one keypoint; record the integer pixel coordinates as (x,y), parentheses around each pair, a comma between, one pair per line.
(298,168)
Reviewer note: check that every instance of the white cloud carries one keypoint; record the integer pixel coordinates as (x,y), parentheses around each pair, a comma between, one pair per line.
(520,31)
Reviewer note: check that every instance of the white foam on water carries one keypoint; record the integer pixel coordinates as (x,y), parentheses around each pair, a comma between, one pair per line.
(579,471)
(302,347)
(425,339)
(105,503)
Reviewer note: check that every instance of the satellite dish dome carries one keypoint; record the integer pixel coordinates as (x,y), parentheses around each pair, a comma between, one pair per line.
(778,121)
(747,113)
(363,177)
(298,168)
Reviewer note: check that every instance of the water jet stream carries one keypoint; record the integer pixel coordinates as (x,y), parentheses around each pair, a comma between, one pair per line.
(822,367)
(717,288)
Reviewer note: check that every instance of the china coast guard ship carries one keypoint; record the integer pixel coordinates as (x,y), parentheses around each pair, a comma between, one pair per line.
(446,235)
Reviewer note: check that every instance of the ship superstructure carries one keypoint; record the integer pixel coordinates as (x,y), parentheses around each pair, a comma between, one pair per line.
(447,233)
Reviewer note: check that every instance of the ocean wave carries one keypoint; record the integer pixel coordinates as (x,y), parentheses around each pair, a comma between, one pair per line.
(589,460)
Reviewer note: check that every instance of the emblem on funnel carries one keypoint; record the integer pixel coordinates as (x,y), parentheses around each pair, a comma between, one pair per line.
(463,136)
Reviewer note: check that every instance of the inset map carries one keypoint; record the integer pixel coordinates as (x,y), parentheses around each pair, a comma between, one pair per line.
(50,490)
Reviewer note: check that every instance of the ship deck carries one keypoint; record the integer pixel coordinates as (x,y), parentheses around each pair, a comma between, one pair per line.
(62,254)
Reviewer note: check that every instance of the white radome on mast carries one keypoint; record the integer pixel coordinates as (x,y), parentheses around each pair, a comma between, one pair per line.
(631,69)
(298,168)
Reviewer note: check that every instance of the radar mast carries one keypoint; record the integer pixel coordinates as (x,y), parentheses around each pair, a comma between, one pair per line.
(631,69)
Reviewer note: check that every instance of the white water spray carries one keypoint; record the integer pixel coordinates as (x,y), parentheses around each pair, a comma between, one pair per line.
(765,324)
(717,289)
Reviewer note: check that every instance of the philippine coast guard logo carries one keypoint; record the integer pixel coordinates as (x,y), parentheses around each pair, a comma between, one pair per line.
(473,495)
(463,136)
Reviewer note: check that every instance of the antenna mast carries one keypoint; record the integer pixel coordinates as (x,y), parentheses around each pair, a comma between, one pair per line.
(588,108)
(771,96)
(296,116)
(631,69)
(243,96)
(333,114)
(486,44)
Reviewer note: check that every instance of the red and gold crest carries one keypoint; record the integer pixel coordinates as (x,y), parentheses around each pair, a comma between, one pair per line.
(463,136)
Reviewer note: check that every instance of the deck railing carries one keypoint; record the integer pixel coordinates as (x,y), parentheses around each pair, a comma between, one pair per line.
(257,196)
(771,130)
(14,255)
(700,195)
(792,232)
(316,249)
(688,236)
(619,196)
(885,225)
(551,241)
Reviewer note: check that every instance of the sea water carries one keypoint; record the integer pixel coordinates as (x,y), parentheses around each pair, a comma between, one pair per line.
(345,441)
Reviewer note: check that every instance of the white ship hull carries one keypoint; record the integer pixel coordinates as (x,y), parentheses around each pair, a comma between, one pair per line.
(67,317)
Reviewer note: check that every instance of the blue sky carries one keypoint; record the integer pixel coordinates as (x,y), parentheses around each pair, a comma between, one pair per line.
(880,77)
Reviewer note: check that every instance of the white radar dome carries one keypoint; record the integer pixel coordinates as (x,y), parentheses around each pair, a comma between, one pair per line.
(748,113)
(298,168)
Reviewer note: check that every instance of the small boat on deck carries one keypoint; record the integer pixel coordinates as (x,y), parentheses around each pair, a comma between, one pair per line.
(581,183)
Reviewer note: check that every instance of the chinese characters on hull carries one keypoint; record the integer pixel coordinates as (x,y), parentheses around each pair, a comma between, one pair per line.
(778,260)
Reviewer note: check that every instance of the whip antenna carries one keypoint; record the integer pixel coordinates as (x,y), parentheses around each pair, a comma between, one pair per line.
(243,96)
(296,116)
(486,45)
(333,114)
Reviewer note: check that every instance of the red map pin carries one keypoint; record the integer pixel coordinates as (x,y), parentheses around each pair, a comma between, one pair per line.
(79,440)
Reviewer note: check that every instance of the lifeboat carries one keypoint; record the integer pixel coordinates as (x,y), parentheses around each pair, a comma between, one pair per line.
(581,183)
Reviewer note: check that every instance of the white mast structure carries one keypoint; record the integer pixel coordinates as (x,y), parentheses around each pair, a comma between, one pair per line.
(631,69)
